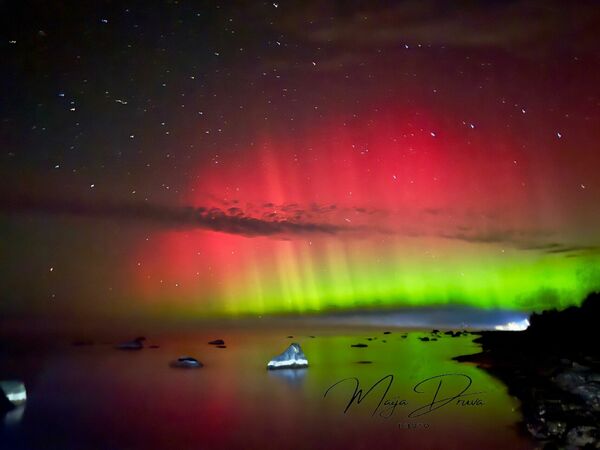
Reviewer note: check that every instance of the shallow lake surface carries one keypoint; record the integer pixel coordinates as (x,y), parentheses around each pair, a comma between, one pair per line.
(97,397)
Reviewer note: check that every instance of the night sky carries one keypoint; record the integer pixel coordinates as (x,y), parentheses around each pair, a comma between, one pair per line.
(197,158)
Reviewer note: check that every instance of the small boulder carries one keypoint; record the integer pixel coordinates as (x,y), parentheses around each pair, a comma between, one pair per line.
(217,342)
(359,345)
(186,362)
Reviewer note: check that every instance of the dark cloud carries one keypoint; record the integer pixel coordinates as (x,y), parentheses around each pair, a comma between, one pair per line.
(450,23)
(571,249)
(290,221)
(353,32)
(232,220)
(528,240)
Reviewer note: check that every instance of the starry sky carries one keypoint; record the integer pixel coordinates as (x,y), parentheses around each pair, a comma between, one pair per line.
(201,158)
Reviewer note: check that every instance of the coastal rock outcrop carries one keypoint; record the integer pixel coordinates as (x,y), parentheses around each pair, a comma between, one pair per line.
(555,374)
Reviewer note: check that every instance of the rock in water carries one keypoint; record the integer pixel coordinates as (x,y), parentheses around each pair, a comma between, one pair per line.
(12,394)
(186,362)
(292,358)
(217,342)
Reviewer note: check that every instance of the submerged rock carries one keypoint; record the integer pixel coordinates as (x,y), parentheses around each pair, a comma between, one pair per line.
(424,339)
(217,342)
(187,362)
(136,344)
(293,357)
(359,345)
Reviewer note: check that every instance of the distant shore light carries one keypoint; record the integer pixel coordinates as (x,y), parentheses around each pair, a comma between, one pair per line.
(513,326)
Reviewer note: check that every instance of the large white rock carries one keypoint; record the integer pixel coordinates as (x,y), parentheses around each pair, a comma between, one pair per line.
(14,391)
(292,358)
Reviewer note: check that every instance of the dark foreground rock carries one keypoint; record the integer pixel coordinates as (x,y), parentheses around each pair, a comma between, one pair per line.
(553,367)
(5,404)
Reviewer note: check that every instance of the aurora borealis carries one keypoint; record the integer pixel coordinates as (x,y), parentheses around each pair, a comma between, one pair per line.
(203,159)
(416,227)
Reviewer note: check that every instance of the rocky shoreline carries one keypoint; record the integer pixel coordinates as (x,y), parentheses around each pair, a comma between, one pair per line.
(553,368)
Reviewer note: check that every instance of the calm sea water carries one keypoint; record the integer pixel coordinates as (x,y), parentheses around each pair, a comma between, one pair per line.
(96,397)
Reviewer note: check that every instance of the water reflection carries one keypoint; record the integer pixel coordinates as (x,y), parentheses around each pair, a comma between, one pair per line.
(14,417)
(107,398)
(292,377)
